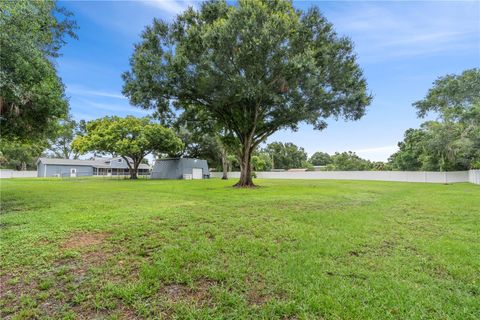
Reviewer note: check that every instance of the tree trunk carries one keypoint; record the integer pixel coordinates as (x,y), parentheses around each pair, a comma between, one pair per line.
(24,166)
(133,171)
(224,164)
(246,180)
(133,174)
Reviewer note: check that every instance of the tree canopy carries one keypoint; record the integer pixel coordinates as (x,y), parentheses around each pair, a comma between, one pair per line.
(454,98)
(200,137)
(286,155)
(130,137)
(254,67)
(410,151)
(348,161)
(262,161)
(32,96)
(20,154)
(320,159)
(62,137)
(452,142)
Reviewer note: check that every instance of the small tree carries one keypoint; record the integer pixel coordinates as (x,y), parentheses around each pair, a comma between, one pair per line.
(255,67)
(128,137)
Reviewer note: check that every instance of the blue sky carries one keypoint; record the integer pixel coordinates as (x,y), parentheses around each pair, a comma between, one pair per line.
(402,47)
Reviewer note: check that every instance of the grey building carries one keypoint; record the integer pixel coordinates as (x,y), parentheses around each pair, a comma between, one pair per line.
(49,167)
(180,168)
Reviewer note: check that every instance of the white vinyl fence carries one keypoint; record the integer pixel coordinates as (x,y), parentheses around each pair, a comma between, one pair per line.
(474,176)
(6,174)
(402,176)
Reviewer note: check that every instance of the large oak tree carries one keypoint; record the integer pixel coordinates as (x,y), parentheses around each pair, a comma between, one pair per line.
(255,67)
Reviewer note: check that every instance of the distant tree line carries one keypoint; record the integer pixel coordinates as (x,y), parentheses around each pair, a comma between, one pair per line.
(285,156)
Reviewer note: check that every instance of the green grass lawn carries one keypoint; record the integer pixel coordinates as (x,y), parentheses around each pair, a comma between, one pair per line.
(294,249)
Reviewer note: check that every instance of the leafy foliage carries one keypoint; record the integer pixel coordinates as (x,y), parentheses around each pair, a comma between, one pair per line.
(19,154)
(286,155)
(261,161)
(320,159)
(409,156)
(65,132)
(128,137)
(453,142)
(255,67)
(201,136)
(198,145)
(31,94)
(455,98)
(348,161)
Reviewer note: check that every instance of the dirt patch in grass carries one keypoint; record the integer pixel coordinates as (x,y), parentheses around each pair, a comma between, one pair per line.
(15,285)
(176,292)
(127,313)
(84,239)
(93,255)
(257,298)
(198,294)
(50,290)
(260,293)
(88,260)
(12,289)
(385,248)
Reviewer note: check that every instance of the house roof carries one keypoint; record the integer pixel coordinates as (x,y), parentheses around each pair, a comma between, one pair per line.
(97,163)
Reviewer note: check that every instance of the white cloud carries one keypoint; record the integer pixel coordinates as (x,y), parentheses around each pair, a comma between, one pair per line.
(377,149)
(390,30)
(82,91)
(169,6)
(376,153)
(121,108)
(83,116)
